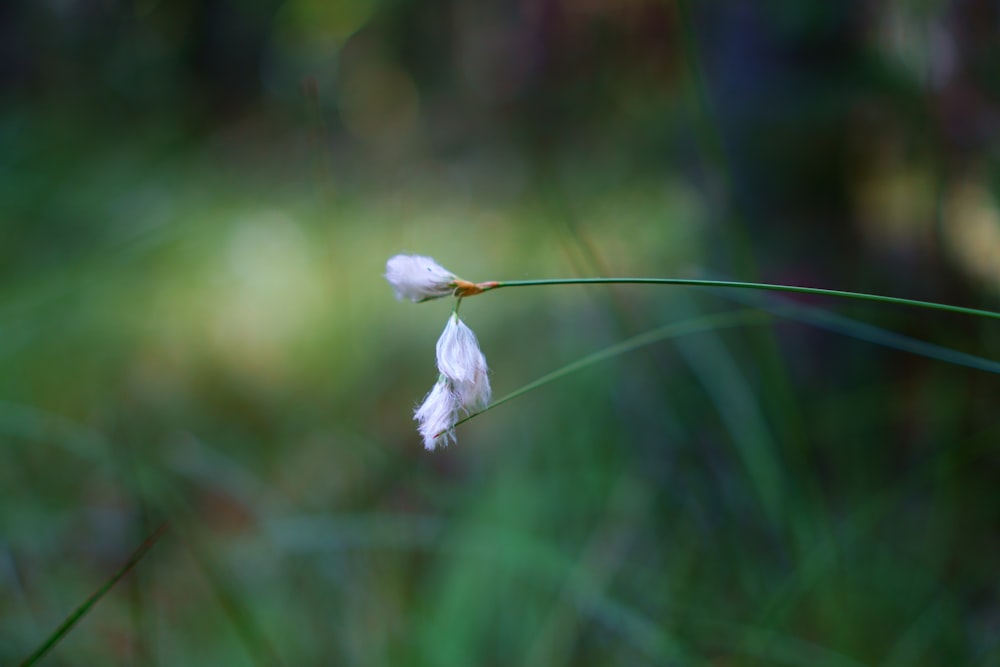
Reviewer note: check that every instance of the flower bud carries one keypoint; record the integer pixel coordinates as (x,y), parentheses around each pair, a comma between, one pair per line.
(418,278)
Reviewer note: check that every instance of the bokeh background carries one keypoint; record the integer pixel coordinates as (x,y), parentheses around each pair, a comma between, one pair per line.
(197,199)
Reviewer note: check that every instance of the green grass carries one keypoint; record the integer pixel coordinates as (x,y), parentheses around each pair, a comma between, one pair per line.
(236,365)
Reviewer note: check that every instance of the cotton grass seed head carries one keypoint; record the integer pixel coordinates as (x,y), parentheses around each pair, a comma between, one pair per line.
(463,384)
(437,415)
(460,360)
(419,278)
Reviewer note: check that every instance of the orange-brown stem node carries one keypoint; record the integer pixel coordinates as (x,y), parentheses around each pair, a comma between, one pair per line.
(464,288)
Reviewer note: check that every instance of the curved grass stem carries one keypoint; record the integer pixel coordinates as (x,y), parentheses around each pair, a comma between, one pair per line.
(711,322)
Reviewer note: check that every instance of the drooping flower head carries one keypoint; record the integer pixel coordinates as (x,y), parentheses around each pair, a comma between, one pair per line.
(463,383)
(418,278)
(460,360)
(437,415)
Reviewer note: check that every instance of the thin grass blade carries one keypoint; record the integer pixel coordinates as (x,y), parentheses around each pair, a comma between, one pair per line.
(697,325)
(82,610)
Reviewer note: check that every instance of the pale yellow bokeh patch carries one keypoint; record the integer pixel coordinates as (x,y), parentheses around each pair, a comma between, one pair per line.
(972,231)
(268,290)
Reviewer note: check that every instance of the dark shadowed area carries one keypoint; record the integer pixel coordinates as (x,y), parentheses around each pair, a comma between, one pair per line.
(197,201)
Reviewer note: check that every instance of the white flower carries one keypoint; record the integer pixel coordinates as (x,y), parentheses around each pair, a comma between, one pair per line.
(418,278)
(437,415)
(463,384)
(460,360)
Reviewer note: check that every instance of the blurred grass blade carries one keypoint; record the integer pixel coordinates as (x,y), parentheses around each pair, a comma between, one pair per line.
(82,610)
(742,414)
(27,422)
(913,642)
(190,534)
(259,648)
(824,319)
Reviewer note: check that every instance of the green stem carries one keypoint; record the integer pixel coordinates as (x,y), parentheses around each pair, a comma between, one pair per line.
(707,323)
(82,610)
(744,285)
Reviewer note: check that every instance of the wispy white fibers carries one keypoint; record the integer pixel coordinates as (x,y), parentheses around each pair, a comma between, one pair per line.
(418,278)
(464,383)
(460,360)
(437,415)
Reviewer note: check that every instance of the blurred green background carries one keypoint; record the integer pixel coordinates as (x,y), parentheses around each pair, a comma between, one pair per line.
(196,204)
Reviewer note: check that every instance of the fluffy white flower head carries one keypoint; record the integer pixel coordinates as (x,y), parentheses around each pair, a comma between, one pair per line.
(418,278)
(460,360)
(437,415)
